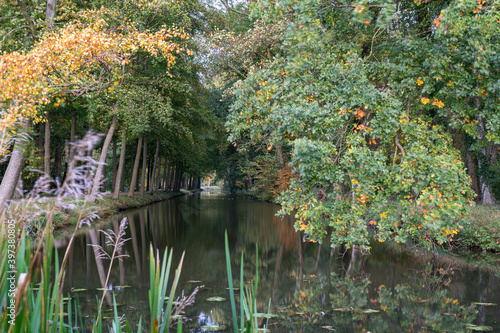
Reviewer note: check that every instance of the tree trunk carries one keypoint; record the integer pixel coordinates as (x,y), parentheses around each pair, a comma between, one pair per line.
(50,13)
(113,176)
(46,158)
(121,167)
(131,165)
(72,137)
(11,176)
(482,164)
(58,160)
(471,171)
(102,161)
(158,176)
(164,184)
(135,170)
(144,165)
(152,179)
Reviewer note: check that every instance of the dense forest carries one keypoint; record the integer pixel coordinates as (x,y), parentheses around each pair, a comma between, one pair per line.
(354,116)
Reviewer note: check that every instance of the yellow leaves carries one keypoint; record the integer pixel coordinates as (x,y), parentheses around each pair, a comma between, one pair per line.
(438,103)
(425,100)
(383,308)
(438,20)
(383,215)
(419,81)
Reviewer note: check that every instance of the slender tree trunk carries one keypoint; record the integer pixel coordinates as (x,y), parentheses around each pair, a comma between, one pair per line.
(164,185)
(482,164)
(58,160)
(72,137)
(152,179)
(144,165)
(471,171)
(50,13)
(46,159)
(131,165)
(99,174)
(11,176)
(113,177)
(158,176)
(121,167)
(135,170)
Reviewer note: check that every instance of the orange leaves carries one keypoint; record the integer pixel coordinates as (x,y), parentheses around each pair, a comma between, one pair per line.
(419,81)
(425,100)
(438,20)
(77,59)
(359,113)
(438,103)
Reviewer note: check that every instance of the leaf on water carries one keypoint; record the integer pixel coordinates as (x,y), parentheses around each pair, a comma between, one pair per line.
(484,304)
(265,315)
(368,311)
(328,328)
(216,299)
(479,328)
(193,281)
(213,328)
(342,310)
(78,290)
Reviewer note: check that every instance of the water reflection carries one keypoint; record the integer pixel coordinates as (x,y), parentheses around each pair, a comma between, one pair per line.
(299,277)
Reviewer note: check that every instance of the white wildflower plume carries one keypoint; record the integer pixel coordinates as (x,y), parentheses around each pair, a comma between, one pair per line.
(182,302)
(116,241)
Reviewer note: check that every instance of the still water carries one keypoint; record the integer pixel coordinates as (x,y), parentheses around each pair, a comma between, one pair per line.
(312,288)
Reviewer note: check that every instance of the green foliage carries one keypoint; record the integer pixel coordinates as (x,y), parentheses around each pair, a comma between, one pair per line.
(364,101)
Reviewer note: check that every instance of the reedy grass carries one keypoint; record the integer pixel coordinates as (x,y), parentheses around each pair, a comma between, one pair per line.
(248,297)
(43,309)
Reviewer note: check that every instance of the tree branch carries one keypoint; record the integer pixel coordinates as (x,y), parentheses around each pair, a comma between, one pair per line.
(28,18)
(224,2)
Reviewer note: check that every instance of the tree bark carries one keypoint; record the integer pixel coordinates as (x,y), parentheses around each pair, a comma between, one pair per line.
(72,136)
(121,167)
(165,169)
(144,165)
(131,165)
(102,161)
(113,176)
(135,170)
(58,160)
(46,158)
(11,176)
(482,164)
(158,176)
(50,13)
(152,179)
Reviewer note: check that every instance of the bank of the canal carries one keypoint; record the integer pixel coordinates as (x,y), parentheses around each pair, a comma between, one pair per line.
(34,214)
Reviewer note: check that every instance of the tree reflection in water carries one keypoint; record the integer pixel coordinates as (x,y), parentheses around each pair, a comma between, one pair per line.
(421,306)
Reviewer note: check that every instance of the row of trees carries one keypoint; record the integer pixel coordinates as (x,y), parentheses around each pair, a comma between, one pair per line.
(126,69)
(364,115)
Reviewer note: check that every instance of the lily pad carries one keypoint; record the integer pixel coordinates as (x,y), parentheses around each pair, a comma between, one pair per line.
(328,328)
(368,311)
(484,304)
(265,315)
(78,290)
(479,328)
(213,328)
(216,299)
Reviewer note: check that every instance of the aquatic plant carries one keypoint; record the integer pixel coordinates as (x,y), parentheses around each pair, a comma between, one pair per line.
(249,315)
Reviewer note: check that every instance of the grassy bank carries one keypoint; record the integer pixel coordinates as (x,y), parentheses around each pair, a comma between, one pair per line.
(34,215)
(483,230)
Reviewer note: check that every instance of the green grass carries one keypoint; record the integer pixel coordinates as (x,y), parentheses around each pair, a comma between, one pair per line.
(483,230)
